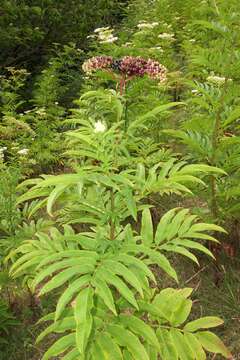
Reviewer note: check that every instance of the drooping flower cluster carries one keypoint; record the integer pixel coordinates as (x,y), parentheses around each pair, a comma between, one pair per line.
(97,63)
(128,65)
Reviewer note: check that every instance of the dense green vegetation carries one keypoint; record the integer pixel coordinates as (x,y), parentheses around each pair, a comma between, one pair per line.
(119,191)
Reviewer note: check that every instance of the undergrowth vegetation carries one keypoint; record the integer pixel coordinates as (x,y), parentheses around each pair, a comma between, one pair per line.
(119,192)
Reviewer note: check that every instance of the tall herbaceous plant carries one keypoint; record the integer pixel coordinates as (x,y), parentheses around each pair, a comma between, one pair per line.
(103,256)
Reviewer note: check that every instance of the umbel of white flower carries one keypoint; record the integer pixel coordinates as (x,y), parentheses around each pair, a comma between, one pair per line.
(166,36)
(145,25)
(2,149)
(99,127)
(217,80)
(23,152)
(104,35)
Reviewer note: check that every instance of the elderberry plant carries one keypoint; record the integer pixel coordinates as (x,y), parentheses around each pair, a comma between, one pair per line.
(99,264)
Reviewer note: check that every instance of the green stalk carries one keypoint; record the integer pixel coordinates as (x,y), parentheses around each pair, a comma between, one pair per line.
(215,141)
(215,7)
(112,223)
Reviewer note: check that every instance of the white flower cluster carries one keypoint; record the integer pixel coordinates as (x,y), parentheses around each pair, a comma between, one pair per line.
(104,35)
(101,29)
(195,91)
(166,36)
(128,44)
(2,149)
(216,80)
(23,152)
(41,111)
(99,127)
(157,48)
(143,25)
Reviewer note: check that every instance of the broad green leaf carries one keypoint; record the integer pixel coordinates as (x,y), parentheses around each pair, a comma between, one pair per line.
(73,355)
(127,355)
(82,314)
(28,264)
(166,168)
(207,227)
(152,352)
(24,258)
(104,292)
(147,228)
(131,260)
(32,194)
(235,115)
(140,328)
(110,349)
(183,349)
(193,245)
(173,305)
(120,269)
(197,168)
(180,250)
(151,309)
(65,179)
(47,317)
(154,258)
(161,260)
(83,331)
(176,223)
(68,253)
(185,292)
(68,323)
(60,346)
(54,195)
(203,323)
(197,235)
(130,202)
(114,280)
(64,276)
(97,352)
(195,346)
(167,348)
(162,227)
(186,225)
(212,343)
(127,339)
(61,265)
(68,294)
(181,313)
(157,110)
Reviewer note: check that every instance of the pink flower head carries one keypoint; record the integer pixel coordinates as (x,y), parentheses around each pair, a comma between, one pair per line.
(155,70)
(133,66)
(128,65)
(97,63)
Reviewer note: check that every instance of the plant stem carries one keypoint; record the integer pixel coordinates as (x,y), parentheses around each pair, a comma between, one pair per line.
(215,141)
(122,85)
(213,185)
(216,7)
(112,223)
